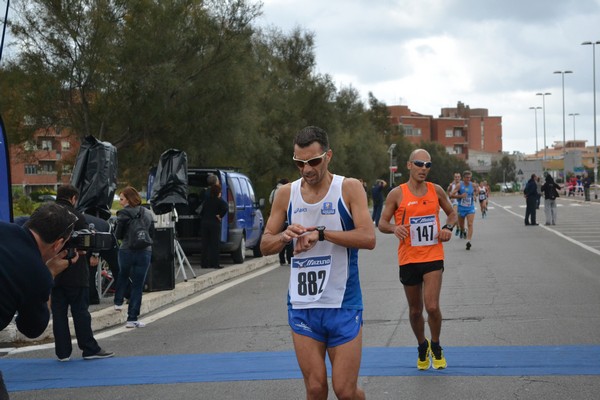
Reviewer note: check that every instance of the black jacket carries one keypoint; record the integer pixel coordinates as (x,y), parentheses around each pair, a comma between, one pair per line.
(25,280)
(550,189)
(123,217)
(76,275)
(212,207)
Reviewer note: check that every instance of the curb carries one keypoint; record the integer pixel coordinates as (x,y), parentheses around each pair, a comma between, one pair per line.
(107,317)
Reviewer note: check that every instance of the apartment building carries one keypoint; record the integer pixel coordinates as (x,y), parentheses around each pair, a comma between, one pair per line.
(470,134)
(45,162)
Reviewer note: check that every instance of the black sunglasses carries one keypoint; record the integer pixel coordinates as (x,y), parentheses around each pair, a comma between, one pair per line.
(313,162)
(421,164)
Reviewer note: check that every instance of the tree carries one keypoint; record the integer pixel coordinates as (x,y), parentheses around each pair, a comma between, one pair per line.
(503,170)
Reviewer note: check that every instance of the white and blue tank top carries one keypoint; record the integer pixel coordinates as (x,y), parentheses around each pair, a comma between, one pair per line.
(325,276)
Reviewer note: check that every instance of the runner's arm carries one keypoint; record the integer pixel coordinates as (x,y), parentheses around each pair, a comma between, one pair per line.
(274,238)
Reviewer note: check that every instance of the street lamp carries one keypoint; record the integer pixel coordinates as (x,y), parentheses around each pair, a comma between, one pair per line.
(391,153)
(573,115)
(562,74)
(595,144)
(544,115)
(536,135)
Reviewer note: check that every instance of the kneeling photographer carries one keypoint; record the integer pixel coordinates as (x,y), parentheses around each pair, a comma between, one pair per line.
(71,289)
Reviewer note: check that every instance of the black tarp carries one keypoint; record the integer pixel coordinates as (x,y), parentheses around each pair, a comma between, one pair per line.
(95,175)
(170,184)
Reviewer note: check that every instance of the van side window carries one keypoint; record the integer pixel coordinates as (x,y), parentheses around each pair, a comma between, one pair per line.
(238,192)
(250,191)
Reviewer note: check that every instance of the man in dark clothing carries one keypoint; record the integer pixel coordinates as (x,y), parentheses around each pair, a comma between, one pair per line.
(531,196)
(71,290)
(28,263)
(587,182)
(213,211)
(377,194)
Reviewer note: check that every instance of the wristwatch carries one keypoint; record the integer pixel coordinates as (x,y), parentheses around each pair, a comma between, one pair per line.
(449,227)
(321,230)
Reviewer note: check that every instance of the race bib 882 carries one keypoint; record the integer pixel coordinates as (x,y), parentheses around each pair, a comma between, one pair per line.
(309,277)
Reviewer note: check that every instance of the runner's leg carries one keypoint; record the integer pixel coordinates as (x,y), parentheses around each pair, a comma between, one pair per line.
(310,354)
(345,363)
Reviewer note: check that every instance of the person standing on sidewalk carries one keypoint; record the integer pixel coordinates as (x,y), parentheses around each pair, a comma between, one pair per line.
(134,263)
(531,195)
(328,222)
(214,209)
(71,290)
(415,207)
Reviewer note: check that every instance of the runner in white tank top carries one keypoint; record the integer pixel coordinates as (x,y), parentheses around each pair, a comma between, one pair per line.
(329,221)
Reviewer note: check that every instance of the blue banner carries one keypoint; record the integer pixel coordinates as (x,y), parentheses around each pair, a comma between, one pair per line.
(5,188)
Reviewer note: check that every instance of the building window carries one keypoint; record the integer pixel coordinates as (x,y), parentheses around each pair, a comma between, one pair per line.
(47,167)
(411,130)
(46,144)
(29,146)
(458,150)
(30,169)
(449,133)
(66,145)
(67,168)
(458,132)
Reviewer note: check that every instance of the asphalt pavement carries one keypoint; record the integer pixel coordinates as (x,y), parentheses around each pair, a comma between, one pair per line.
(104,316)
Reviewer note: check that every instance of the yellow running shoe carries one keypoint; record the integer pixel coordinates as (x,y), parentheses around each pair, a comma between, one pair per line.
(437,357)
(424,361)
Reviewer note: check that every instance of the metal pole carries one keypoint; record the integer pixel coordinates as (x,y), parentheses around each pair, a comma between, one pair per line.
(595,144)
(573,115)
(536,129)
(562,73)
(594,87)
(544,118)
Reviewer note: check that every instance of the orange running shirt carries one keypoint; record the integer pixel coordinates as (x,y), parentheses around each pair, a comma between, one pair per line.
(422,214)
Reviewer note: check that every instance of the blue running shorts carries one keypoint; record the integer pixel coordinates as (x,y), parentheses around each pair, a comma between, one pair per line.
(332,326)
(463,212)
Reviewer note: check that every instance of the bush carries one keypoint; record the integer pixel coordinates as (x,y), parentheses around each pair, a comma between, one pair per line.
(25,205)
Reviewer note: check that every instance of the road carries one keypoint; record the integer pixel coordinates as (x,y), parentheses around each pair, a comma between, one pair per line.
(521,321)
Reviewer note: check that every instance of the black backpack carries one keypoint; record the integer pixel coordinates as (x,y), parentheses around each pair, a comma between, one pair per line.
(138,232)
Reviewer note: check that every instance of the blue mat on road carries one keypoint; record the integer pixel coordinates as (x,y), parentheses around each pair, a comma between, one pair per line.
(38,374)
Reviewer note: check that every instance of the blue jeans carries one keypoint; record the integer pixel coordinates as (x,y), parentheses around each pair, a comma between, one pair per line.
(133,265)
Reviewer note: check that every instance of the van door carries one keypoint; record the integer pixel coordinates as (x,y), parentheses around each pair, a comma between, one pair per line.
(254,220)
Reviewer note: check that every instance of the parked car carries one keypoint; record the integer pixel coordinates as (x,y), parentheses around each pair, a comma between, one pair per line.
(241,228)
(46,197)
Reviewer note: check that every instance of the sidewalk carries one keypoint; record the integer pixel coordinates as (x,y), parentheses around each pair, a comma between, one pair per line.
(104,316)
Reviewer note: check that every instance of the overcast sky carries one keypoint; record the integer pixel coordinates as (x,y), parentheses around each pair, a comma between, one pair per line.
(429,54)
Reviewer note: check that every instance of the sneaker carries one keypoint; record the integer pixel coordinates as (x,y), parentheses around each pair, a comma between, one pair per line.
(468,245)
(135,324)
(64,359)
(118,308)
(437,355)
(99,355)
(457,233)
(424,361)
